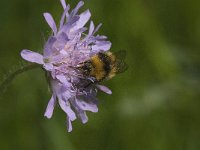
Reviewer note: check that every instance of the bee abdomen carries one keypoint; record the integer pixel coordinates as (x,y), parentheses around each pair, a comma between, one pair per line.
(100,66)
(106,63)
(103,65)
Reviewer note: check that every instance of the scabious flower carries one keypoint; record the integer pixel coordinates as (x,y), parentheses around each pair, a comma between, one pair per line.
(68,46)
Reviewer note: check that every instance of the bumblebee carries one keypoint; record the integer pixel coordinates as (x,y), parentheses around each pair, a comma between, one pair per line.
(103,65)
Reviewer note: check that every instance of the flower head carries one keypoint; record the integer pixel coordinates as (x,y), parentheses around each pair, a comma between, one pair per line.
(68,46)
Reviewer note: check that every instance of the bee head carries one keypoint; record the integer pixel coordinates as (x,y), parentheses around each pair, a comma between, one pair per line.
(85,67)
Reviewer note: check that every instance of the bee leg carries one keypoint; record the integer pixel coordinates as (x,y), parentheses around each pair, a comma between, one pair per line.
(88,84)
(91,80)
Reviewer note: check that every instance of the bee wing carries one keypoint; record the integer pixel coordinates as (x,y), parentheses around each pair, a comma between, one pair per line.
(120,54)
(120,64)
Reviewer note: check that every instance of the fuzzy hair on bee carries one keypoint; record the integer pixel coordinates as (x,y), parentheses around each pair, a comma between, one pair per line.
(104,65)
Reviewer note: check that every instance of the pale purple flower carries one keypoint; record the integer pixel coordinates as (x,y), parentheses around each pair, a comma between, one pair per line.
(68,46)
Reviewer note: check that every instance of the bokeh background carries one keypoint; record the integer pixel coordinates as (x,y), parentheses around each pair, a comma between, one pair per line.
(155,104)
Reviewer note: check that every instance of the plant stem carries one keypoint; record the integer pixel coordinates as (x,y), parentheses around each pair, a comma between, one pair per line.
(12,75)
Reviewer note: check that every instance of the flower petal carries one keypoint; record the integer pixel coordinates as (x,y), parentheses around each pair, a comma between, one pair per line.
(91,29)
(65,83)
(104,46)
(97,28)
(69,124)
(104,89)
(48,66)
(70,23)
(65,13)
(66,108)
(81,113)
(50,107)
(101,45)
(100,37)
(84,17)
(63,2)
(48,48)
(87,106)
(61,78)
(49,19)
(91,98)
(75,10)
(32,56)
(83,117)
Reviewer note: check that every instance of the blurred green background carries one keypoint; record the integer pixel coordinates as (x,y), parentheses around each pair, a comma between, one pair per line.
(155,104)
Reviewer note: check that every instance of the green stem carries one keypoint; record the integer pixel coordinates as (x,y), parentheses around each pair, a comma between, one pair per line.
(12,75)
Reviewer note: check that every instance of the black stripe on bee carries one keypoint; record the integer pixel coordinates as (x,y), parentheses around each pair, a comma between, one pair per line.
(106,62)
(87,67)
